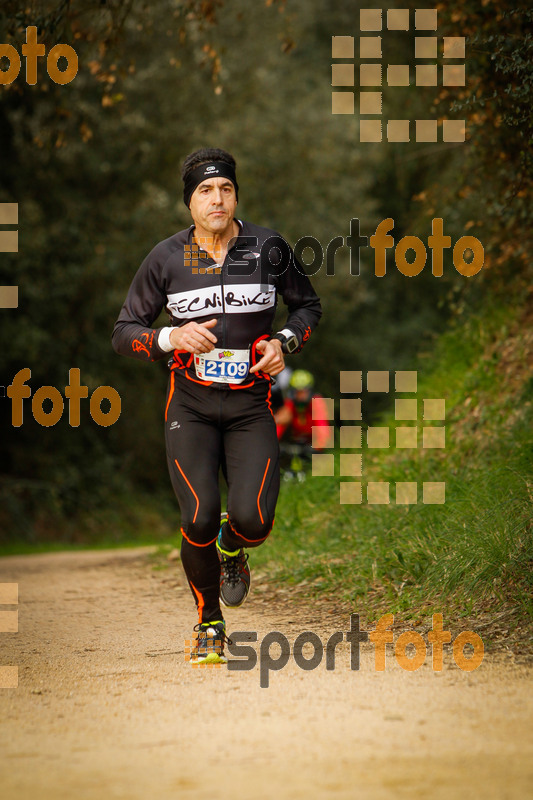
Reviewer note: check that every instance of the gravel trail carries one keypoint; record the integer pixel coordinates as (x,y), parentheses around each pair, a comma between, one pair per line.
(107,707)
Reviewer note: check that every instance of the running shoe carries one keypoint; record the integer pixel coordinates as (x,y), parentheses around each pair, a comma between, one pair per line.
(209,645)
(234,573)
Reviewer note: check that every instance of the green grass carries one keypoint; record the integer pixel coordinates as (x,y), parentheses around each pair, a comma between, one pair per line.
(473,552)
(131,521)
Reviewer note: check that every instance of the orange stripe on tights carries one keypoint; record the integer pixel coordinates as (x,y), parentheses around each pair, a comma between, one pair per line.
(192,490)
(200,600)
(260,490)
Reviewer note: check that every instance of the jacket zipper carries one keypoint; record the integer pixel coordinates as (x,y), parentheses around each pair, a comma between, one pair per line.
(223,304)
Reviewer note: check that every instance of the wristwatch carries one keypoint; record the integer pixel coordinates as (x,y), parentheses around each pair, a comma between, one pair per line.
(288,343)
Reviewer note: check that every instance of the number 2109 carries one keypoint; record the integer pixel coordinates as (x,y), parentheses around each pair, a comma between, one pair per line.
(229,369)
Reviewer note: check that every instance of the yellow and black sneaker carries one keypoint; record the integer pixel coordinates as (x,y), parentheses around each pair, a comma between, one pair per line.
(234,572)
(208,647)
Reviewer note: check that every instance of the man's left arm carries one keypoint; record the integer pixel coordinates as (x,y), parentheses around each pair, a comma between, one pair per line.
(301,300)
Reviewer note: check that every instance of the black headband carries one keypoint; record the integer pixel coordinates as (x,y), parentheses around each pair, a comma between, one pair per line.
(215,169)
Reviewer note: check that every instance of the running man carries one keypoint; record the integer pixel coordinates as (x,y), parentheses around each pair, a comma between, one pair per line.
(303,417)
(219,281)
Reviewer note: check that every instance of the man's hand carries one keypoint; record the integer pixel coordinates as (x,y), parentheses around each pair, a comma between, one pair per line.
(194,337)
(272,361)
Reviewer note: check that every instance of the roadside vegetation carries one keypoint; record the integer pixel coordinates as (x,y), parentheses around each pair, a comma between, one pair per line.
(94,169)
(474,553)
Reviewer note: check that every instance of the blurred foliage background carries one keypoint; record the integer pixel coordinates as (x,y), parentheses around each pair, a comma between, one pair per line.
(94,167)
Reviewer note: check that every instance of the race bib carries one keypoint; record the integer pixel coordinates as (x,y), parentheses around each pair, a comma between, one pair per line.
(223,366)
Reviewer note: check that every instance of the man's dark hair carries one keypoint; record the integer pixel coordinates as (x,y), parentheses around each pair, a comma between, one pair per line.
(204,156)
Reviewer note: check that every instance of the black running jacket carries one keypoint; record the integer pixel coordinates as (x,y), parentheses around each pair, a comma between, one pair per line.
(241,294)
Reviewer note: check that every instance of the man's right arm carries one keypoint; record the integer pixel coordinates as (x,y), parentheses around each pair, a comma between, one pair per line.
(133,335)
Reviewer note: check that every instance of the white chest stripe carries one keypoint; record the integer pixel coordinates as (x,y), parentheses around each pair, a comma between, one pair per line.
(242,298)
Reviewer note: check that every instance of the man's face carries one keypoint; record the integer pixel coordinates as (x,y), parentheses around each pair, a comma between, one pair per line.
(213,204)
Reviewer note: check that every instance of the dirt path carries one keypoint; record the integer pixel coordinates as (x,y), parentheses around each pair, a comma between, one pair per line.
(107,707)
